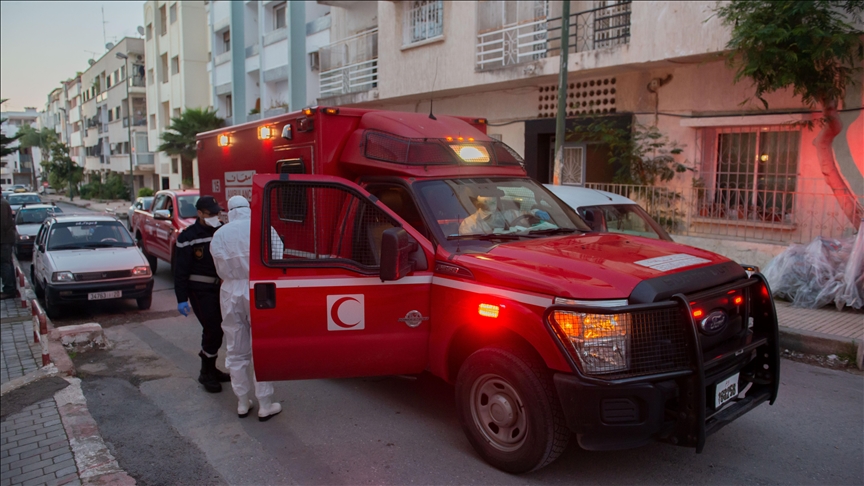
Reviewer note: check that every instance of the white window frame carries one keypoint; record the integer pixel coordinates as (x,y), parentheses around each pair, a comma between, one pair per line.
(280,16)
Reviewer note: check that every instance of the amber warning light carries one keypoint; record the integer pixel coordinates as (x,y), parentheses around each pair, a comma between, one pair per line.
(224,140)
(266,133)
(488,310)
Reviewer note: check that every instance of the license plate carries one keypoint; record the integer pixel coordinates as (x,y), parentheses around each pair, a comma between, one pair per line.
(105,295)
(726,390)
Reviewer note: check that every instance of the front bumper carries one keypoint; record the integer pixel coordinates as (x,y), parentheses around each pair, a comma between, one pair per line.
(676,405)
(77,292)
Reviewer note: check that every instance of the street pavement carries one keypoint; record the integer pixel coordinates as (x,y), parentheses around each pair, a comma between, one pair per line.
(50,437)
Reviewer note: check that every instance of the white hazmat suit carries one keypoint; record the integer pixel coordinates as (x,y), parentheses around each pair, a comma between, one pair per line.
(230,250)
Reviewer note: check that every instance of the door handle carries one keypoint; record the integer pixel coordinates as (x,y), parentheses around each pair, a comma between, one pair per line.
(265,295)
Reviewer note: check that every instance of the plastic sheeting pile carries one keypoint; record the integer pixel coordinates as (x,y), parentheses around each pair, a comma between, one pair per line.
(823,272)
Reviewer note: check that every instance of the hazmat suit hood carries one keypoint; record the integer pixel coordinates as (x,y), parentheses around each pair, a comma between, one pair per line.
(238,208)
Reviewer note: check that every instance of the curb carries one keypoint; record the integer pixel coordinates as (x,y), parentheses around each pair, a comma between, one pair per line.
(810,342)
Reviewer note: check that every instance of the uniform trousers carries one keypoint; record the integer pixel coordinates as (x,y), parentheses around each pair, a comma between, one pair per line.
(205,303)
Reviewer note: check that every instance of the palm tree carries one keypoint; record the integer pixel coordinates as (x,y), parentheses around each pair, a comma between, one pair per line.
(180,137)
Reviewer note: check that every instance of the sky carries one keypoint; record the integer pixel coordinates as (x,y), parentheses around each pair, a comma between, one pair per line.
(44,43)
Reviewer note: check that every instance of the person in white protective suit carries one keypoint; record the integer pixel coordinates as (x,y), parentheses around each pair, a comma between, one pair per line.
(489,218)
(230,249)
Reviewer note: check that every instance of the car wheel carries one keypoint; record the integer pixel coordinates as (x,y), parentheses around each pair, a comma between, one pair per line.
(145,302)
(37,287)
(509,410)
(50,306)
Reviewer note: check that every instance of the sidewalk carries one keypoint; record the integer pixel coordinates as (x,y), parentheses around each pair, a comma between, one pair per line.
(47,435)
(118,207)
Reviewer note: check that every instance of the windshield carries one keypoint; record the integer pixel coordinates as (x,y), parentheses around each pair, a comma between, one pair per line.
(89,234)
(495,209)
(622,218)
(145,203)
(34,216)
(24,199)
(187,206)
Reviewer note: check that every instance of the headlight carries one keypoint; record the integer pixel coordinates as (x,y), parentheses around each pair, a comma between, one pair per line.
(24,237)
(141,271)
(62,277)
(601,342)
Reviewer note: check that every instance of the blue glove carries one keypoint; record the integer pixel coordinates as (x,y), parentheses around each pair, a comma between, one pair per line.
(184,308)
(542,215)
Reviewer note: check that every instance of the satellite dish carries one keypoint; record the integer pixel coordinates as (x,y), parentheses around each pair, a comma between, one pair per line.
(109,46)
(140,30)
(91,61)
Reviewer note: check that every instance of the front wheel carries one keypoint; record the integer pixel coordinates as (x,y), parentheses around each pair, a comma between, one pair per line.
(509,410)
(51,309)
(144,303)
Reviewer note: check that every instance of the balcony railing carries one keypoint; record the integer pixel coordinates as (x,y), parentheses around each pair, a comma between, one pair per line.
(349,65)
(138,121)
(144,159)
(538,38)
(251,50)
(769,216)
(137,82)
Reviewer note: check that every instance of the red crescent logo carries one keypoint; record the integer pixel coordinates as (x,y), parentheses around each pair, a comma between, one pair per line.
(334,312)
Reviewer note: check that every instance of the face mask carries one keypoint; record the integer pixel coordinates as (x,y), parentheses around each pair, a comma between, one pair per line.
(213,221)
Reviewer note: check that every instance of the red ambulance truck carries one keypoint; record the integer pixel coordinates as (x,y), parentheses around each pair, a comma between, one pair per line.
(389,243)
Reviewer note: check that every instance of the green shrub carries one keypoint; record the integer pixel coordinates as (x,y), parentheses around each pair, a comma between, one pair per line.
(145,192)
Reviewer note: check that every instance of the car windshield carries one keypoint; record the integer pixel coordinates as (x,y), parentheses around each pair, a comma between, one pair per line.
(622,218)
(88,234)
(495,209)
(145,203)
(24,199)
(34,216)
(187,206)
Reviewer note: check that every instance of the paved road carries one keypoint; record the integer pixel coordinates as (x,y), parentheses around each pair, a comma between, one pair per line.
(163,428)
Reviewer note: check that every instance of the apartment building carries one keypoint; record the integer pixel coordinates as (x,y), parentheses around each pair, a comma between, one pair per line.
(264,56)
(23,165)
(756,175)
(177,77)
(113,116)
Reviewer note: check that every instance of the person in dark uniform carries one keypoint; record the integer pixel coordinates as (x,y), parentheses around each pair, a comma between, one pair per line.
(196,283)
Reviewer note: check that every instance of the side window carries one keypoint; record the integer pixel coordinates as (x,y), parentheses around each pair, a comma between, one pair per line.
(40,237)
(399,200)
(338,227)
(159,203)
(292,201)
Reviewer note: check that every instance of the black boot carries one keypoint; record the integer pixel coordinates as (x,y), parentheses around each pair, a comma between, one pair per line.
(208,377)
(219,374)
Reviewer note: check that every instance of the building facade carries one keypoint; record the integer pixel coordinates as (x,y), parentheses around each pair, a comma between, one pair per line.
(23,165)
(264,56)
(177,78)
(755,175)
(113,116)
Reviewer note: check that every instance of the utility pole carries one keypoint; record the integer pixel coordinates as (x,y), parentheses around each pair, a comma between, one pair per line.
(68,145)
(560,120)
(126,80)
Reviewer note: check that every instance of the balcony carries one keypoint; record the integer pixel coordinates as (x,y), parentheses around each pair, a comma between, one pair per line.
(145,159)
(138,121)
(540,37)
(350,65)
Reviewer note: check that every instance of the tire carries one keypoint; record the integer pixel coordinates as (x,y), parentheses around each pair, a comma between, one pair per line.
(145,302)
(510,411)
(51,307)
(37,287)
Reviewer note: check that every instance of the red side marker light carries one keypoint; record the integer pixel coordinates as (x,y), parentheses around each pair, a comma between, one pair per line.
(738,300)
(488,310)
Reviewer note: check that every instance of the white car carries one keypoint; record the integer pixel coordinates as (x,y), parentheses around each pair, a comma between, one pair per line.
(609,212)
(28,220)
(83,258)
(18,199)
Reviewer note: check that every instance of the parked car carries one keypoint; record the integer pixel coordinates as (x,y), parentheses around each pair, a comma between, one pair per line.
(610,212)
(20,188)
(16,200)
(156,228)
(142,203)
(28,220)
(6,194)
(47,190)
(84,258)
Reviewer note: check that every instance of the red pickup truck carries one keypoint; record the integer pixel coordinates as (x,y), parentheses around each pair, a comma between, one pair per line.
(156,230)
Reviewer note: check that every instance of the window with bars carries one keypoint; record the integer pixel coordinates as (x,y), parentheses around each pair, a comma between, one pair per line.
(424,20)
(333,226)
(752,174)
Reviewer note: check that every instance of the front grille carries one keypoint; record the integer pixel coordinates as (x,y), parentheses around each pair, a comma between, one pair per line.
(87,277)
(659,342)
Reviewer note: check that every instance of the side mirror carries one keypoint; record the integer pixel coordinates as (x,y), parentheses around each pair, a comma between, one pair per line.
(396,249)
(161,214)
(41,248)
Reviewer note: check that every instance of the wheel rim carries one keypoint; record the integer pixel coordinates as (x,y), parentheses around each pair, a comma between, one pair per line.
(498,413)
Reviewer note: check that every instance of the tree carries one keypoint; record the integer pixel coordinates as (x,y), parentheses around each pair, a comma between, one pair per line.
(6,141)
(43,139)
(179,138)
(812,48)
(61,169)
